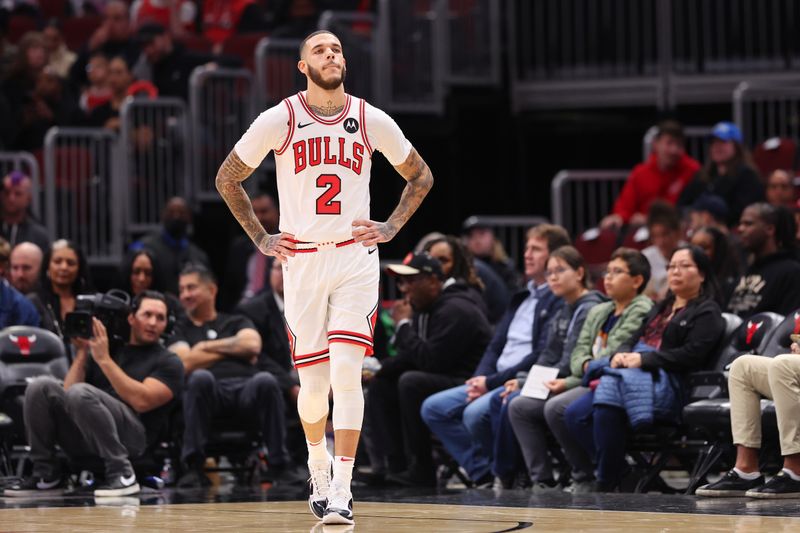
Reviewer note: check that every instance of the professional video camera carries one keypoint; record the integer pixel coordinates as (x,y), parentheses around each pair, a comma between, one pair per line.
(111,308)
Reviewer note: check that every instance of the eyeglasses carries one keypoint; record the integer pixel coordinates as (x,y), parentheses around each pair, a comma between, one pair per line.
(683,267)
(614,272)
(556,271)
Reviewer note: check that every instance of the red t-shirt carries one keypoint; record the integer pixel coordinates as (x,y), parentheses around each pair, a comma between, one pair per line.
(221,18)
(647,183)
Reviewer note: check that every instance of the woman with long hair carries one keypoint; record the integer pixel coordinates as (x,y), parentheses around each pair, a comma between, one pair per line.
(725,261)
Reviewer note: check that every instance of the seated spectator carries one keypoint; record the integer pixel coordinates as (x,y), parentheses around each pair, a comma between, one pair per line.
(219,353)
(112,39)
(60,58)
(664,226)
(97,92)
(177,16)
(676,338)
(19,85)
(25,265)
(459,416)
(486,249)
(729,173)
(459,264)
(51,103)
(662,177)
(607,326)
(771,282)
(780,188)
(165,63)
(111,405)
(265,310)
(441,333)
(221,19)
(140,272)
(751,378)
(724,257)
(120,80)
(171,243)
(18,225)
(65,277)
(568,279)
(15,309)
(247,270)
(708,210)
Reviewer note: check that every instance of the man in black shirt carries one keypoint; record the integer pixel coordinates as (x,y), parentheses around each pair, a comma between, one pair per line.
(219,352)
(110,406)
(17,224)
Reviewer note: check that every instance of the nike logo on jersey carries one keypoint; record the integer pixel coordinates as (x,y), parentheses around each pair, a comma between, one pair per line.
(299,126)
(370,251)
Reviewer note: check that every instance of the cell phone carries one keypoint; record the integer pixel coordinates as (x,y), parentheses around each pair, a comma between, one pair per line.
(795,337)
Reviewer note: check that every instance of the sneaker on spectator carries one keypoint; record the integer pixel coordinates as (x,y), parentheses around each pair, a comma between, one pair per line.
(546,486)
(36,487)
(780,486)
(586,486)
(122,484)
(730,486)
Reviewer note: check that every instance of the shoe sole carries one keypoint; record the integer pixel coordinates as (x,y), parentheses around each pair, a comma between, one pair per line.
(37,493)
(126,491)
(772,496)
(711,493)
(337,519)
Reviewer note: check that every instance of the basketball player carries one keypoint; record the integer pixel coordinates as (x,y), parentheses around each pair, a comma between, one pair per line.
(323,141)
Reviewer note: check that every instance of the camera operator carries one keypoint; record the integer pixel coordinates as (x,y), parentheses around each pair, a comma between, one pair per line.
(110,405)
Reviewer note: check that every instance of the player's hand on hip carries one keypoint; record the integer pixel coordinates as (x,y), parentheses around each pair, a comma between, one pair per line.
(279,246)
(370,233)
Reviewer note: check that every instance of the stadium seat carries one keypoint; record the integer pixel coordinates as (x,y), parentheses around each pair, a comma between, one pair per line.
(54,8)
(244,47)
(636,237)
(779,342)
(77,30)
(708,416)
(773,154)
(19,25)
(596,246)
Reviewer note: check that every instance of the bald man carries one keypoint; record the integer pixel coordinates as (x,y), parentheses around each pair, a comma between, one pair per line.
(17,225)
(26,262)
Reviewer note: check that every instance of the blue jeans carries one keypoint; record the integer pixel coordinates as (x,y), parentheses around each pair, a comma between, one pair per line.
(464,428)
(603,431)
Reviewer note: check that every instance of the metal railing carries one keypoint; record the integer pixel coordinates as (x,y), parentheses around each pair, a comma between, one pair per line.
(573,53)
(25,162)
(580,198)
(155,143)
(697,141)
(470,34)
(764,110)
(276,71)
(222,103)
(83,194)
(356,31)
(511,231)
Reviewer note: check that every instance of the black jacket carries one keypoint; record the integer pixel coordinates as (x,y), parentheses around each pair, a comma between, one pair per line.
(449,338)
(275,356)
(740,188)
(771,283)
(688,340)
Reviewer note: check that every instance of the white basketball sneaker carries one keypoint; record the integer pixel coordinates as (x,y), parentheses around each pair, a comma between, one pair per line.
(319,485)
(340,505)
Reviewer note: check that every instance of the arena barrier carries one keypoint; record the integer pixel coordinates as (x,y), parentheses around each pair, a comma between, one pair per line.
(356,32)
(155,147)
(276,71)
(469,31)
(511,231)
(84,197)
(764,110)
(580,198)
(222,103)
(27,163)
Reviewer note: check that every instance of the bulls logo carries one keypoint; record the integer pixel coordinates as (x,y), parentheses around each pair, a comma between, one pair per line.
(796,328)
(351,125)
(24,343)
(751,331)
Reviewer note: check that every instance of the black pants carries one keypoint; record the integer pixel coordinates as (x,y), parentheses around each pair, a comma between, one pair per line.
(257,398)
(394,410)
(85,422)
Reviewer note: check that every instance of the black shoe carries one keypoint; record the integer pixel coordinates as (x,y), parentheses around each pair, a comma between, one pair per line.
(118,485)
(193,478)
(36,487)
(730,486)
(780,486)
(486,481)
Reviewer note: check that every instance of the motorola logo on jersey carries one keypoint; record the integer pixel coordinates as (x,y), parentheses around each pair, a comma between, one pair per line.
(351,125)
(324,150)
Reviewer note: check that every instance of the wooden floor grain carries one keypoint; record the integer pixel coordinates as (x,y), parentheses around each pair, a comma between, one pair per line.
(372,517)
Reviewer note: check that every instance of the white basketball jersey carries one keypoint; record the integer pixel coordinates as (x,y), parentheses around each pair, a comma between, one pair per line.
(323,164)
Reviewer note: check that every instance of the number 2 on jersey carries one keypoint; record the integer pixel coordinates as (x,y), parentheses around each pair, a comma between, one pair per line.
(326,205)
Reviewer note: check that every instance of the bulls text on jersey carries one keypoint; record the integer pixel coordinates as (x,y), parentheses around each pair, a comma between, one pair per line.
(324,150)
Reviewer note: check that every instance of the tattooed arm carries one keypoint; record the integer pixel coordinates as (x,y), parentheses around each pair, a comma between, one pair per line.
(229,184)
(420,181)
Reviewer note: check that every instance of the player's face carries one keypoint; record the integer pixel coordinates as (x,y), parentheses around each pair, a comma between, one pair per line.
(323,62)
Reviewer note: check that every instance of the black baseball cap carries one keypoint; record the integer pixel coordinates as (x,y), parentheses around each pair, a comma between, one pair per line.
(419,263)
(713,204)
(472,223)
